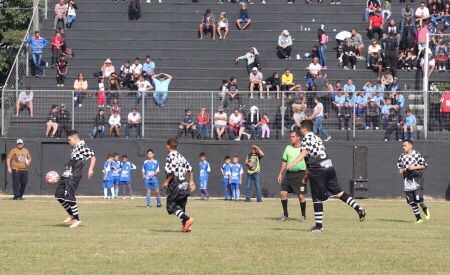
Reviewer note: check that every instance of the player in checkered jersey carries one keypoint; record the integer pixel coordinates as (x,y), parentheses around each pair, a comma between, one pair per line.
(67,186)
(411,165)
(322,175)
(178,184)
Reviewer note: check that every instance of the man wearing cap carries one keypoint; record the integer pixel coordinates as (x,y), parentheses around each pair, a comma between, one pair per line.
(256,79)
(18,161)
(63,118)
(284,45)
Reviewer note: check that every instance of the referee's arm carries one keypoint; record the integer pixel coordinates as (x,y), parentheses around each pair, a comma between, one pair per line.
(299,158)
(280,174)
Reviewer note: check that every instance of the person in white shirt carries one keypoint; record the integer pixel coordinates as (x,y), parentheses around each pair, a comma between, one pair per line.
(422,13)
(317,116)
(314,67)
(256,79)
(25,100)
(342,36)
(284,47)
(114,124)
(136,68)
(143,88)
(134,121)
(234,124)
(71,13)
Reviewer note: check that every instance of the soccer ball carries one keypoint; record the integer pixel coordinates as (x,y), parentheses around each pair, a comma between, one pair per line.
(52,177)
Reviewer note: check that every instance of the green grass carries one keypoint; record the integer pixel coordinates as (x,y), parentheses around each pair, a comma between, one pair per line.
(122,236)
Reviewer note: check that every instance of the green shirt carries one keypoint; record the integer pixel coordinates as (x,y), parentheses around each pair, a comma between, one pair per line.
(290,154)
(255,168)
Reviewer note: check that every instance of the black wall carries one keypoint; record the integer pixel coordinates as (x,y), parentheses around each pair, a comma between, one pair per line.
(384,180)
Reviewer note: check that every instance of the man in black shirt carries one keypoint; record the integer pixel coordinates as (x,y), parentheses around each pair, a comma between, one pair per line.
(63,118)
(232,93)
(390,53)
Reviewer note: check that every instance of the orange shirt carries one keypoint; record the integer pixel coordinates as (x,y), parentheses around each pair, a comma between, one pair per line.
(19,158)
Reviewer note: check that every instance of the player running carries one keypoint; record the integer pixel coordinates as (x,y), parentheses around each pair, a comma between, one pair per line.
(322,175)
(411,165)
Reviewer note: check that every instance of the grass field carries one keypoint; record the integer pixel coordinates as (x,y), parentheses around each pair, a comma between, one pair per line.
(122,236)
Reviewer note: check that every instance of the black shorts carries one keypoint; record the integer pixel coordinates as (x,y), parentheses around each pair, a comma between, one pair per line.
(292,183)
(173,205)
(66,189)
(415,196)
(323,183)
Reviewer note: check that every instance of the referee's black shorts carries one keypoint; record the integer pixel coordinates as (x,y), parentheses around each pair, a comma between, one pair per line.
(66,189)
(323,183)
(292,183)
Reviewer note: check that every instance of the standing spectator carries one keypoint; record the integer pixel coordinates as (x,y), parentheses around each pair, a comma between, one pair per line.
(60,14)
(222,26)
(232,93)
(287,80)
(317,116)
(134,10)
(71,13)
(61,71)
(52,123)
(99,124)
(256,79)
(375,26)
(162,82)
(390,54)
(64,47)
(63,117)
(203,123)
(273,84)
(148,69)
(284,47)
(80,86)
(349,55)
(114,88)
(17,163)
(57,42)
(220,122)
(252,58)
(207,24)
(37,45)
(243,18)
(265,130)
(101,97)
(25,100)
(408,126)
(107,69)
(323,41)
(357,42)
(252,161)
(187,125)
(422,13)
(143,87)
(134,121)
(114,124)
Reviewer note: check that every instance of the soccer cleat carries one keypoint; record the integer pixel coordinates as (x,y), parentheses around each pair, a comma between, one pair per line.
(427,214)
(284,218)
(316,229)
(327,139)
(69,219)
(131,198)
(188,225)
(148,206)
(302,219)
(75,224)
(361,214)
(159,205)
(419,221)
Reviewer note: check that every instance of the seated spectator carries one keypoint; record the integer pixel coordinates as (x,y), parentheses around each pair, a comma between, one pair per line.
(207,24)
(386,111)
(394,125)
(101,96)
(287,80)
(114,124)
(256,79)
(107,69)
(298,108)
(349,55)
(243,126)
(52,124)
(422,13)
(408,126)
(80,86)
(372,116)
(387,79)
(60,14)
(144,87)
(232,93)
(387,10)
(361,102)
(125,74)
(442,61)
(253,123)
(273,84)
(99,124)
(162,82)
(345,114)
(203,123)
(243,18)
(314,67)
(187,125)
(148,69)
(284,46)
(357,42)
(342,36)
(220,122)
(222,26)
(71,13)
(375,26)
(349,87)
(252,59)
(407,15)
(400,101)
(371,7)
(234,124)
(25,100)
(134,10)
(136,68)
(57,42)
(115,106)
(63,117)
(61,71)
(265,130)
(134,121)
(338,103)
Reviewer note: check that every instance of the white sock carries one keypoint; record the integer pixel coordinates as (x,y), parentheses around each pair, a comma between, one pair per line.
(105,192)
(112,192)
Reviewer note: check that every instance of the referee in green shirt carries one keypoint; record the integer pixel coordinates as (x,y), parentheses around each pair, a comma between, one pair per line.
(294,180)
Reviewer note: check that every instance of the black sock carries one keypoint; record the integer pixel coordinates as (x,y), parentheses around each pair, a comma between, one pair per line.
(415,209)
(66,206)
(424,207)
(303,208)
(74,208)
(183,217)
(285,209)
(350,201)
(318,213)
(179,133)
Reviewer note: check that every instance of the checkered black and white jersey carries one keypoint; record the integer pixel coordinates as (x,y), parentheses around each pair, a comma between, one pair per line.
(314,145)
(177,165)
(80,153)
(413,159)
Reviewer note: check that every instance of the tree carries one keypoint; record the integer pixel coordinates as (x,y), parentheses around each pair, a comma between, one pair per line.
(15,15)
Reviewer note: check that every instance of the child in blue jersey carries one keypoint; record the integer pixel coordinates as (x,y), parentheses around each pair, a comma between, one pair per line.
(408,127)
(107,177)
(226,173)
(125,175)
(149,170)
(236,178)
(204,169)
(115,166)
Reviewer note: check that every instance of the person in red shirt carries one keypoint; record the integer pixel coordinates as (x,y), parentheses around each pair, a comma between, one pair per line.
(441,61)
(375,25)
(57,42)
(203,123)
(445,111)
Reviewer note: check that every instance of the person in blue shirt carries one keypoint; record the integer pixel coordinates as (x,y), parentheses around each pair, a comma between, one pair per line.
(385,111)
(162,82)
(400,101)
(369,89)
(236,178)
(148,69)
(379,86)
(338,103)
(408,127)
(125,175)
(37,45)
(150,169)
(107,177)
(226,173)
(378,99)
(361,104)
(204,169)
(349,87)
(115,167)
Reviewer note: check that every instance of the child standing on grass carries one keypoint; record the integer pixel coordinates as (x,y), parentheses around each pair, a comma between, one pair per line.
(226,173)
(107,177)
(115,166)
(236,178)
(149,170)
(125,175)
(204,169)
(265,130)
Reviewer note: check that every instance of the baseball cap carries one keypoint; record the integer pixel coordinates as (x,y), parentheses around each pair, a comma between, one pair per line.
(63,105)
(19,141)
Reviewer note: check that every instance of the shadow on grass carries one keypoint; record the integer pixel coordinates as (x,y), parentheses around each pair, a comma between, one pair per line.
(288,229)
(58,225)
(393,220)
(165,231)
(278,219)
